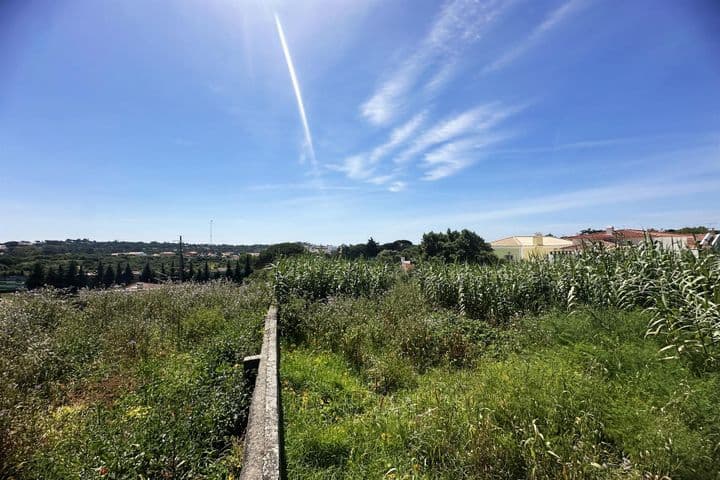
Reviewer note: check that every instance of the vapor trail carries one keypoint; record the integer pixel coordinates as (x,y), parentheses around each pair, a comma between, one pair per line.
(296,87)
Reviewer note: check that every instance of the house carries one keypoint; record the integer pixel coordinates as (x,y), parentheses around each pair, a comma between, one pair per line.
(629,236)
(524,247)
(710,240)
(406,265)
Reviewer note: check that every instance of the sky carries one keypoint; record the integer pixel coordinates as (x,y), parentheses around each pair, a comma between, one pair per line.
(330,121)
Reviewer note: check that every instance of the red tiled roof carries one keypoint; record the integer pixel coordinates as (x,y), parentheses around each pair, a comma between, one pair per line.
(627,234)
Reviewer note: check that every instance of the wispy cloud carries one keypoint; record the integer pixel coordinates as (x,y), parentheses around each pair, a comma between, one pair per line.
(472,121)
(298,94)
(452,157)
(363,166)
(555,18)
(460,23)
(397,186)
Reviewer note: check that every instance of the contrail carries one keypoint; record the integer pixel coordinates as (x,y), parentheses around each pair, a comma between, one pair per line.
(296,87)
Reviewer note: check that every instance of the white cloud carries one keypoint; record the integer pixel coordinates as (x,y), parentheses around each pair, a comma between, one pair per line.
(398,136)
(551,21)
(460,23)
(381,179)
(362,166)
(397,186)
(470,121)
(453,157)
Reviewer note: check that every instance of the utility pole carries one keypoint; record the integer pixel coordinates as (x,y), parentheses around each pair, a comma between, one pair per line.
(182,261)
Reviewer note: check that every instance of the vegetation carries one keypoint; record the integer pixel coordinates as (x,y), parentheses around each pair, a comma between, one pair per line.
(274,252)
(453,246)
(38,264)
(407,391)
(126,385)
(527,370)
(604,364)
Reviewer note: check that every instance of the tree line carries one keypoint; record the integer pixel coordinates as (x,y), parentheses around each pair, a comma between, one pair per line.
(105,276)
(453,246)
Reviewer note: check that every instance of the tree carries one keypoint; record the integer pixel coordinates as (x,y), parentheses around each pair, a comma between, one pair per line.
(119,280)
(147,275)
(190,274)
(228,272)
(60,278)
(398,245)
(198,276)
(248,268)
(273,252)
(108,277)
(82,278)
(453,246)
(206,272)
(36,279)
(352,252)
(128,276)
(172,270)
(51,279)
(371,248)
(71,277)
(98,281)
(389,256)
(238,275)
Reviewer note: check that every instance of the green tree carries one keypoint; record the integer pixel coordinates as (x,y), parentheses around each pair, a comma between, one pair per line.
(248,267)
(128,276)
(82,278)
(71,277)
(108,277)
(228,272)
(60,278)
(371,248)
(98,280)
(147,275)
(238,275)
(206,272)
(453,246)
(51,278)
(389,256)
(119,279)
(36,279)
(273,252)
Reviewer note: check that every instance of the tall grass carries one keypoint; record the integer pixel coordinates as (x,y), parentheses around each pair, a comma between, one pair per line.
(314,277)
(393,387)
(126,385)
(681,291)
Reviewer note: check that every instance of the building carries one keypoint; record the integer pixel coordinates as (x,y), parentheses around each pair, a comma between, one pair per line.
(528,246)
(629,236)
(406,265)
(710,240)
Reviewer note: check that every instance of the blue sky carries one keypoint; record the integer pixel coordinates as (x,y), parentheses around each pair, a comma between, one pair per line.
(145,120)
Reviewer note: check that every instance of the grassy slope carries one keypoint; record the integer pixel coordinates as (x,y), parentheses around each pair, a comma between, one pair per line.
(118,385)
(375,388)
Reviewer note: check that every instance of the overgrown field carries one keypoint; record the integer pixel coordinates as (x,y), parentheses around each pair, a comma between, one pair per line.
(126,385)
(600,366)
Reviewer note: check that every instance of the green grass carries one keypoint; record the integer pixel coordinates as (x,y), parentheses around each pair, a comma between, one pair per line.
(127,385)
(393,387)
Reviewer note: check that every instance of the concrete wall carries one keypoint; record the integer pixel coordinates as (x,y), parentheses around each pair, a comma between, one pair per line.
(262,458)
